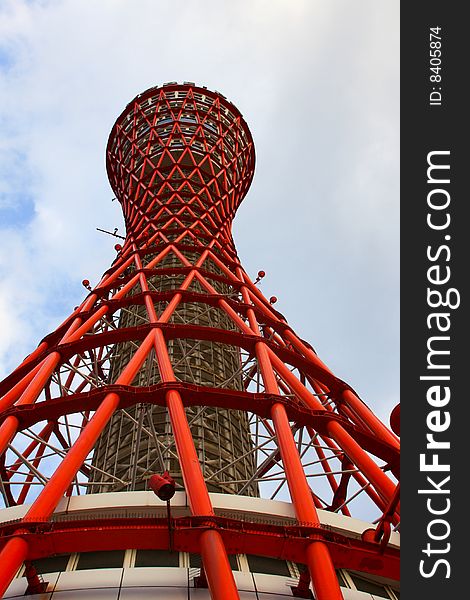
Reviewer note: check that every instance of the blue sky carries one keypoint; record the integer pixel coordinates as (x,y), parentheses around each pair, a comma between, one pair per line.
(317,81)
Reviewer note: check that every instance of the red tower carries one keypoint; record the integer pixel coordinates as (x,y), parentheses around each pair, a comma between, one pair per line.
(177,373)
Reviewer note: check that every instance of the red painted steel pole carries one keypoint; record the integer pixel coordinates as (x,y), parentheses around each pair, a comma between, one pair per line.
(7,431)
(30,394)
(369,490)
(15,392)
(219,575)
(351,399)
(11,561)
(50,496)
(382,483)
(191,469)
(14,552)
(384,486)
(217,567)
(322,571)
(46,502)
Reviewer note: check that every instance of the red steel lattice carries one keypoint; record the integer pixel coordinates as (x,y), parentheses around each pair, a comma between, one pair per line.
(180,159)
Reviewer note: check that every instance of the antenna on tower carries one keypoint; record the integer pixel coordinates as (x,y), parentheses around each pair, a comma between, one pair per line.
(113,233)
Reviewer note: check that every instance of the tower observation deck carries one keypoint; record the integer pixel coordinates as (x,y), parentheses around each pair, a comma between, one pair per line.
(176,366)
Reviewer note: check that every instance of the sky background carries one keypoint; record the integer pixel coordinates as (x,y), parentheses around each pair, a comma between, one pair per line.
(317,82)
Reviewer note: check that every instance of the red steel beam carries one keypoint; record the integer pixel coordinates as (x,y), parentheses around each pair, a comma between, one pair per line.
(322,571)
(46,502)
(217,567)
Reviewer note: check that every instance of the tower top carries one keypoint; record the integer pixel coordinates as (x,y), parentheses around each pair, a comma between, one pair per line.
(179,138)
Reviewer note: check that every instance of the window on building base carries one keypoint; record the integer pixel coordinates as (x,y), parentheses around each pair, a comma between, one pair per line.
(157,558)
(269,566)
(364,585)
(51,564)
(101,560)
(195,561)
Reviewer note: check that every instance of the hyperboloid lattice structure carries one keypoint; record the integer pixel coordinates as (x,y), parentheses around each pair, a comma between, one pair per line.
(176,362)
